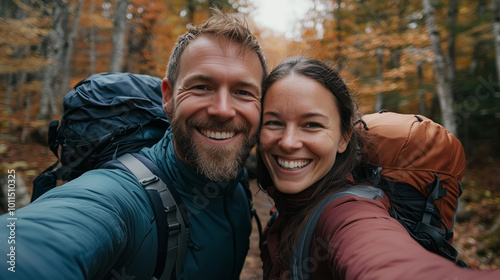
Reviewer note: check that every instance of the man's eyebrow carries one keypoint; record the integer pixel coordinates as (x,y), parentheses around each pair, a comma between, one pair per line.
(197,77)
(205,78)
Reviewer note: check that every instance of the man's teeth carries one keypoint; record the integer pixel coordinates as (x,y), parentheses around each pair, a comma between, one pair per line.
(217,134)
(292,164)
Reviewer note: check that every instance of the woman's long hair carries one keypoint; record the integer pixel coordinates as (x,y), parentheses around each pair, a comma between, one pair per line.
(337,177)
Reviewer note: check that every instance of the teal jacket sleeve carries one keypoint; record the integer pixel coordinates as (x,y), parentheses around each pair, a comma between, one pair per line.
(97,226)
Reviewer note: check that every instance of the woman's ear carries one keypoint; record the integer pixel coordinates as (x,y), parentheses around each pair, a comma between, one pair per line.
(166,91)
(344,141)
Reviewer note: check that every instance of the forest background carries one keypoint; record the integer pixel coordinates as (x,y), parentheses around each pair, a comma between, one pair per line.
(436,58)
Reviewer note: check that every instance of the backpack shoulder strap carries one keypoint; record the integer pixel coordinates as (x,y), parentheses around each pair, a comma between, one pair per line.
(300,261)
(246,186)
(171,218)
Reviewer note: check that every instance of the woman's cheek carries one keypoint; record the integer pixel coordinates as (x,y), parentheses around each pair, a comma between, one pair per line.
(266,138)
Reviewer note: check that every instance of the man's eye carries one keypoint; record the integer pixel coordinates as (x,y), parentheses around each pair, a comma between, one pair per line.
(201,87)
(243,92)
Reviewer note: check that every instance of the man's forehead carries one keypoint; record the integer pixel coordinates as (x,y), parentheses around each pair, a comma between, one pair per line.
(222,43)
(207,51)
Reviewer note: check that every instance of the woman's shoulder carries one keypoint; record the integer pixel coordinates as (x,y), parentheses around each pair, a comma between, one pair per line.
(352,208)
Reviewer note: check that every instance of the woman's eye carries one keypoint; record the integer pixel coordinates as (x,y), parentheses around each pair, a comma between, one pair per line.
(272,123)
(313,125)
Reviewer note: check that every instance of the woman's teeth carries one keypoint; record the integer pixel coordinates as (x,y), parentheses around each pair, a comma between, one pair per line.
(292,164)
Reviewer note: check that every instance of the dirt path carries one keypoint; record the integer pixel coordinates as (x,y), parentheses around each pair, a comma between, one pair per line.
(253,265)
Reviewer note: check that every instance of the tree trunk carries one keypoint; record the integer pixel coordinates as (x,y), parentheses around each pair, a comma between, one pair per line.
(118,37)
(21,79)
(8,94)
(27,119)
(191,7)
(444,89)
(496,33)
(92,55)
(7,10)
(339,36)
(19,54)
(66,68)
(422,108)
(379,103)
(452,19)
(56,43)
(481,10)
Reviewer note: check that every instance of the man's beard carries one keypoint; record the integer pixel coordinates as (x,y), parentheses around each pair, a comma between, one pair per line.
(217,163)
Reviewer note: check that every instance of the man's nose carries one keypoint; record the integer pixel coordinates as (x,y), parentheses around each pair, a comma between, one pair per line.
(222,105)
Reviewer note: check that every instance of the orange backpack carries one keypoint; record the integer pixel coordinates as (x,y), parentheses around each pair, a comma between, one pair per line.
(422,163)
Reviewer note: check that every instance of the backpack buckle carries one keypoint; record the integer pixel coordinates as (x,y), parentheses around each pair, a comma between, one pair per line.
(174,228)
(148,181)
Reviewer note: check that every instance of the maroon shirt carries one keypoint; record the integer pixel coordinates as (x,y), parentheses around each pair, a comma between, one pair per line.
(357,239)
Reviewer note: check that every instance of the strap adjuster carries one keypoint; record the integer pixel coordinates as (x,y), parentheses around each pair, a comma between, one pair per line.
(149,180)
(174,228)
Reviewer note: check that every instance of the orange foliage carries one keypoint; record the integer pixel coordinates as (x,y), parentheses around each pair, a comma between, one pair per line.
(350,43)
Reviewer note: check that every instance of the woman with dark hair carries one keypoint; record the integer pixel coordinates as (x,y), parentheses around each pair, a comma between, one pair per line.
(309,150)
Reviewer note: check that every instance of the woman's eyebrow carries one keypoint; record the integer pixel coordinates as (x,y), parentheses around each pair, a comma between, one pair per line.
(272,114)
(314,114)
(306,115)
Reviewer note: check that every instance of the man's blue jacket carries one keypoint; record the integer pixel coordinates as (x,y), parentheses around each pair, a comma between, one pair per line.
(101,226)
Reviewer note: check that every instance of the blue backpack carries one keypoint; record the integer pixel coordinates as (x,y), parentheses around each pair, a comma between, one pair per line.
(104,116)
(107,119)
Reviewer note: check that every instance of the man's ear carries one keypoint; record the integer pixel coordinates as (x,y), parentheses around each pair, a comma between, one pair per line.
(167,93)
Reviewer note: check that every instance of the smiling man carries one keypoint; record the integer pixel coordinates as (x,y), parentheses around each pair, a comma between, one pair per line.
(212,94)
(101,225)
(214,105)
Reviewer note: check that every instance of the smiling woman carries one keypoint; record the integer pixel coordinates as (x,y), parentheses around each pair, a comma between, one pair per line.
(308,159)
(301,132)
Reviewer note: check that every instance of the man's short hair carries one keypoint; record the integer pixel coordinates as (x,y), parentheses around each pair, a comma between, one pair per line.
(220,24)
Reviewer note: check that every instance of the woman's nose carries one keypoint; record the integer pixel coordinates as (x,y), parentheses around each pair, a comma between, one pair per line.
(291,139)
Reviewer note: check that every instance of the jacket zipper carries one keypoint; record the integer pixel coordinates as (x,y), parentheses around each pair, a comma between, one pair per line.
(228,218)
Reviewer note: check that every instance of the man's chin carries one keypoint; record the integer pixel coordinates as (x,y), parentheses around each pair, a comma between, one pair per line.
(215,161)
(218,164)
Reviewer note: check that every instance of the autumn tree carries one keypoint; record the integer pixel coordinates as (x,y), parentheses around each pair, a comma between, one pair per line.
(402,57)
(444,68)
(375,43)
(64,41)
(67,67)
(118,37)
(20,59)
(56,45)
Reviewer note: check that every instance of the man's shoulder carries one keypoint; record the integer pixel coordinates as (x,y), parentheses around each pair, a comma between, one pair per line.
(103,175)
(100,184)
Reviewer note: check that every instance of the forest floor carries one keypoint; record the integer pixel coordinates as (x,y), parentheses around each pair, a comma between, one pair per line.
(481,193)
